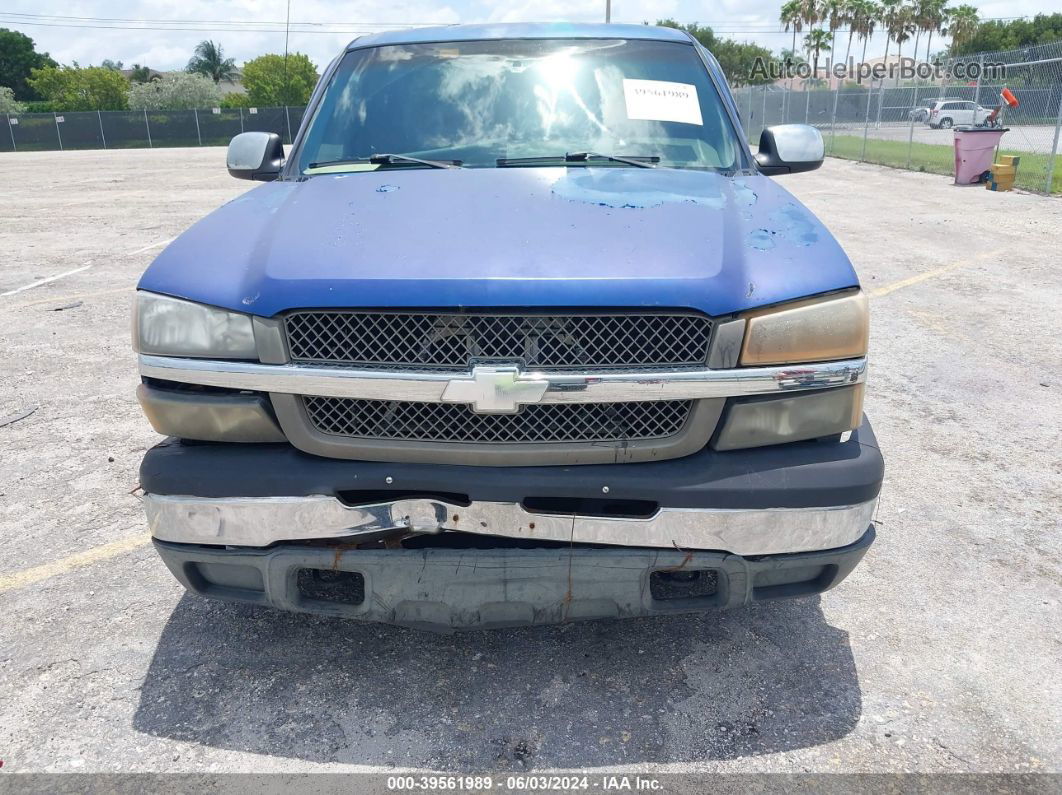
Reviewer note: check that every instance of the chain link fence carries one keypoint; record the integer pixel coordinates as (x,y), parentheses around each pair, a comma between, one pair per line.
(890,124)
(110,129)
(881,123)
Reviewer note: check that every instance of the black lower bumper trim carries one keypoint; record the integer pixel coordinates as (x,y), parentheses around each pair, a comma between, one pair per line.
(796,475)
(445,590)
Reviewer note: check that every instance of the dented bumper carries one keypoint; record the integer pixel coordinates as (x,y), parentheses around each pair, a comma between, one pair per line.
(448,547)
(452,589)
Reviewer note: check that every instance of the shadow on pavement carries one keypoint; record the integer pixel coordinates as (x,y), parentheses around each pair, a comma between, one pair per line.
(686,688)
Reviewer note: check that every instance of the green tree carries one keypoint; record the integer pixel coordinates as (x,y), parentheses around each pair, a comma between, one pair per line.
(115,66)
(939,14)
(852,10)
(963,26)
(836,15)
(812,12)
(865,15)
(18,58)
(887,18)
(142,74)
(236,100)
(8,103)
(792,18)
(270,82)
(1018,33)
(177,91)
(73,88)
(903,25)
(817,41)
(209,60)
(735,58)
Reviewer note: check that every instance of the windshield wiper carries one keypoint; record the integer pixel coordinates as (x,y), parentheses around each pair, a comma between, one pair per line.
(646,161)
(390,160)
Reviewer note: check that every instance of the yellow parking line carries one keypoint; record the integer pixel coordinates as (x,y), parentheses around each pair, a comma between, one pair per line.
(21,579)
(96,554)
(921,277)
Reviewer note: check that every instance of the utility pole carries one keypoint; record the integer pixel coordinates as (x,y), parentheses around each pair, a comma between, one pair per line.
(287,30)
(608,11)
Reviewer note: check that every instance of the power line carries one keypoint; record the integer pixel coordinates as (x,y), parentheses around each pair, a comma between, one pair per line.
(711,23)
(201,28)
(211,21)
(329,28)
(297,27)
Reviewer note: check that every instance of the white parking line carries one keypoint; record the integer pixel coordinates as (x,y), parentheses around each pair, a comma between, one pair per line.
(39,282)
(84,267)
(149,247)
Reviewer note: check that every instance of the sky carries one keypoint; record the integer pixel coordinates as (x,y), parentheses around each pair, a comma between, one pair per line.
(89,31)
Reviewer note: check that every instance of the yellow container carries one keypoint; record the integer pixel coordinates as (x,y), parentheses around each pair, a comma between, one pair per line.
(1000,185)
(1009,160)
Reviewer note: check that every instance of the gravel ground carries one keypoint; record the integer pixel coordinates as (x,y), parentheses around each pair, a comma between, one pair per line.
(939,654)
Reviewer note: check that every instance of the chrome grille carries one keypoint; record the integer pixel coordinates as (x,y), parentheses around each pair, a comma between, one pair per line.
(426,340)
(536,423)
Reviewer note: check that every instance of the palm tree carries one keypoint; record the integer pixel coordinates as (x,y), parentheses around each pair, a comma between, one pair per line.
(817,41)
(963,27)
(854,11)
(903,26)
(940,14)
(210,60)
(835,14)
(811,12)
(864,21)
(791,17)
(887,18)
(923,10)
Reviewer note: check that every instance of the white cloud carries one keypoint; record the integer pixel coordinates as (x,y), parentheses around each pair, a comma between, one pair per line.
(747,20)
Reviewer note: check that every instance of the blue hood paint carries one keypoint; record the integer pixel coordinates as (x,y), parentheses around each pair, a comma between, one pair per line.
(558,237)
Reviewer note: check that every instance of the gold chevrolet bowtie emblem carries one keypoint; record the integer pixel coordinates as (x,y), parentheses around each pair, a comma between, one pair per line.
(495,390)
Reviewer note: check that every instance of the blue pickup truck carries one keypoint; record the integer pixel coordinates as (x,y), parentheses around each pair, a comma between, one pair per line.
(518,331)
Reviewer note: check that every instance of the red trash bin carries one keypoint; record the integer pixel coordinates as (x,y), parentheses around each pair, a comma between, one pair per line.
(973,152)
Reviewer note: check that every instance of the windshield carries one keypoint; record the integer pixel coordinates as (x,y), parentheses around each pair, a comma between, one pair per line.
(493,103)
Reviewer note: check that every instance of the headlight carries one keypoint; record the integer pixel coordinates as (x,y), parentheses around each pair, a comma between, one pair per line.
(815,330)
(759,421)
(173,327)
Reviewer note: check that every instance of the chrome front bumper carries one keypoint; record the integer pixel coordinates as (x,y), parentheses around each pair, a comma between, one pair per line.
(262,521)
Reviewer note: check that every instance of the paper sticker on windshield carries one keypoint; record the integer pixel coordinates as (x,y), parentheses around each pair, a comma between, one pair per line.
(659,100)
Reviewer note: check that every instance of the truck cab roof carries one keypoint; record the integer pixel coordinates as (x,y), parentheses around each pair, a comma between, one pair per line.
(521,30)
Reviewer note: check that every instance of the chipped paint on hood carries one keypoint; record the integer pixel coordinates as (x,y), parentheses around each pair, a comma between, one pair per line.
(609,236)
(633,188)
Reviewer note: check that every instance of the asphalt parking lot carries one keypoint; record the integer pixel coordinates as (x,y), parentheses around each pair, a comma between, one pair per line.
(1020,138)
(939,654)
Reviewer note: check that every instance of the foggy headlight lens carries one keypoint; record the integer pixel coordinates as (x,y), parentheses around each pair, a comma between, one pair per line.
(815,330)
(173,327)
(755,422)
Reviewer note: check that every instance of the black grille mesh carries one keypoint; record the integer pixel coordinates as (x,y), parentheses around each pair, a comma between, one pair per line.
(537,423)
(422,340)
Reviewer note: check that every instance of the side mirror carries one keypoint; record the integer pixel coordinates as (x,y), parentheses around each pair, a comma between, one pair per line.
(789,148)
(255,155)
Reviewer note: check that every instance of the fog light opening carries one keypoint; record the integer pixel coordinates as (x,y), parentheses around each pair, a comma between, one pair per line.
(326,585)
(684,584)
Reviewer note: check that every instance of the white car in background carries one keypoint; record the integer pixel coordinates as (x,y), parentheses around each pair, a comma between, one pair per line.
(948,113)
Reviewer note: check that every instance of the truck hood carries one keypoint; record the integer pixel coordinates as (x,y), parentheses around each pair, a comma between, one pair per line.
(560,237)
